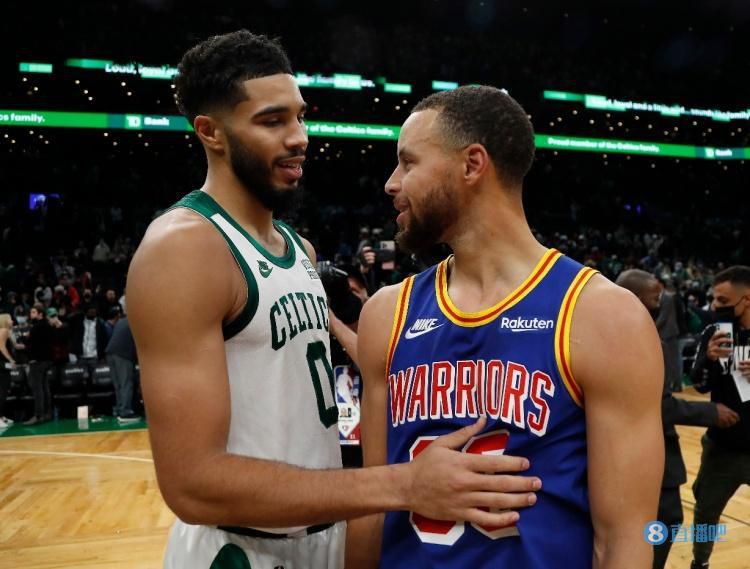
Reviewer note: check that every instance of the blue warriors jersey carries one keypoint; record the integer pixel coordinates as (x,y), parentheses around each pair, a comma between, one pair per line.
(511,363)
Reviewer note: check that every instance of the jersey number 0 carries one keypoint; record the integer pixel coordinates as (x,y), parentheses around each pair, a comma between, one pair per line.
(316,352)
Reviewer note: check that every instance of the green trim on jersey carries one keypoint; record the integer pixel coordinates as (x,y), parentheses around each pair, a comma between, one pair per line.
(285,262)
(196,202)
(294,235)
(230,556)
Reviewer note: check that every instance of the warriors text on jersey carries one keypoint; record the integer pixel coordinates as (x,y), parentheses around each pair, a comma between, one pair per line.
(511,363)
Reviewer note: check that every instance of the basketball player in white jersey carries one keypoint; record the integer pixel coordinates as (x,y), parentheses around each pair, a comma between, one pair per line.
(231,325)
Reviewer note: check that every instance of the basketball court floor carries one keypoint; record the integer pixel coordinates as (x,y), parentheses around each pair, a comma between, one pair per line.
(88,499)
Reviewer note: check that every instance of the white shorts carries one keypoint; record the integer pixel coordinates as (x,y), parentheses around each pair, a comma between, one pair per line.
(206,547)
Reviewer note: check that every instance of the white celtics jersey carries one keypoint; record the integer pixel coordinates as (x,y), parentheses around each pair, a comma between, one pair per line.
(278,355)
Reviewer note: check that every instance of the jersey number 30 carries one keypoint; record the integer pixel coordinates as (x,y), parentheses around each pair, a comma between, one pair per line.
(447,532)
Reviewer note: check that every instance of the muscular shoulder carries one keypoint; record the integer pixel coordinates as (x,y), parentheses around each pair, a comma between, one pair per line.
(605,308)
(182,262)
(381,306)
(374,330)
(178,232)
(610,328)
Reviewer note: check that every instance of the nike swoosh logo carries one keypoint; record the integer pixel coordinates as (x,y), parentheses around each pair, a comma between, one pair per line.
(265,272)
(410,335)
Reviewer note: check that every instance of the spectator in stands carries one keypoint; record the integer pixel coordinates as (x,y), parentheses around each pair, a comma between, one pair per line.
(121,357)
(39,349)
(89,338)
(114,312)
(61,266)
(88,296)
(21,332)
(366,258)
(60,338)
(7,362)
(11,301)
(42,292)
(101,252)
(671,322)
(63,312)
(121,250)
(674,411)
(108,301)
(725,462)
(69,290)
(82,281)
(81,253)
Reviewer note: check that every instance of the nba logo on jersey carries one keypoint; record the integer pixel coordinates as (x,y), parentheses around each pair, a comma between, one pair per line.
(510,363)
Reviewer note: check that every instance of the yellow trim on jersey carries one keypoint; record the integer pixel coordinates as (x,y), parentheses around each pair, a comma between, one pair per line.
(473,319)
(562,334)
(399,320)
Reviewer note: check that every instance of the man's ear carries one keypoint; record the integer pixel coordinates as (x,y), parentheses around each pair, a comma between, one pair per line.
(210,132)
(476,163)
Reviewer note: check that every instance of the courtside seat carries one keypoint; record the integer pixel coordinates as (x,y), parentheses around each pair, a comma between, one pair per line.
(19,403)
(101,392)
(70,390)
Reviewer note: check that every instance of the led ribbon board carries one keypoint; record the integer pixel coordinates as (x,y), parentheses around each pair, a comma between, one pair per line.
(343,81)
(360,131)
(608,146)
(602,103)
(105,121)
(337,81)
(31,67)
(132,68)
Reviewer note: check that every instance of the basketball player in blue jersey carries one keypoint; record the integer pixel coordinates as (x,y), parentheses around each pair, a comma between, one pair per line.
(565,365)
(232,329)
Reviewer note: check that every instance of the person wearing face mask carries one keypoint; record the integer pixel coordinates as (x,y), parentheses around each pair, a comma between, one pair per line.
(674,411)
(725,462)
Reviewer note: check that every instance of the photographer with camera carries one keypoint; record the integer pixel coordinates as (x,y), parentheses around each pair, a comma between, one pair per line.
(674,411)
(375,260)
(344,308)
(347,294)
(723,368)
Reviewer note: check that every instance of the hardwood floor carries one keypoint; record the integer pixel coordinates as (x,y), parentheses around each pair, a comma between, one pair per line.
(88,501)
(734,553)
(91,501)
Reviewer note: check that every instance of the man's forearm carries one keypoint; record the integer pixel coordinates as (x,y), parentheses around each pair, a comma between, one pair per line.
(346,337)
(235,490)
(676,411)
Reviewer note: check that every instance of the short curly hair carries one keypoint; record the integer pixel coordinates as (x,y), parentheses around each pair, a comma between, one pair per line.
(490,117)
(210,74)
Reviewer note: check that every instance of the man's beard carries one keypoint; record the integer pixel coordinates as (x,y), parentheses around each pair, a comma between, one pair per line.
(439,212)
(255,175)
